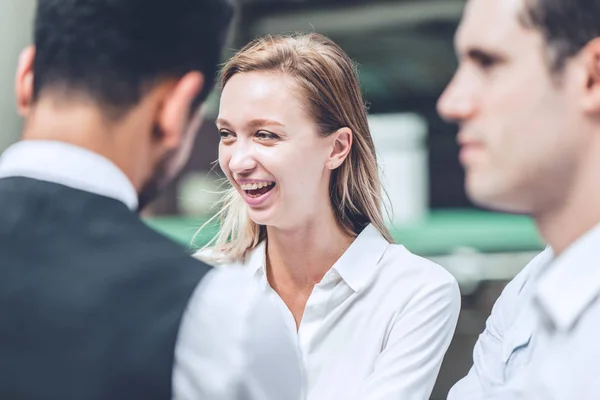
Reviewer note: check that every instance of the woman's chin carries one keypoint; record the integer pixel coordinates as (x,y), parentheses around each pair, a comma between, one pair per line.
(261,217)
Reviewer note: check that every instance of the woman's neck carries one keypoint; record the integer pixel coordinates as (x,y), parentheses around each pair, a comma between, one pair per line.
(297,259)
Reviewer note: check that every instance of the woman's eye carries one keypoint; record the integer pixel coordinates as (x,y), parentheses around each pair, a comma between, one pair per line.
(264,135)
(226,134)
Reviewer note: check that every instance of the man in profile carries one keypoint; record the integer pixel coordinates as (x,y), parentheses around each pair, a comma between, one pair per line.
(526,96)
(93,303)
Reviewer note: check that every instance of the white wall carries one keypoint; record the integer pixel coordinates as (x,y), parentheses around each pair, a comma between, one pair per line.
(16,28)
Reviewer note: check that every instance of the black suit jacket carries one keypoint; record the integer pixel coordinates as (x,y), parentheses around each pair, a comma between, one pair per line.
(90,297)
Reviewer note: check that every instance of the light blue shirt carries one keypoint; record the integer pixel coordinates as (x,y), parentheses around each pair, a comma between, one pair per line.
(541,340)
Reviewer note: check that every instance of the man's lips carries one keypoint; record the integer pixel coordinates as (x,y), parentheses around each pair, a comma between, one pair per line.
(469,149)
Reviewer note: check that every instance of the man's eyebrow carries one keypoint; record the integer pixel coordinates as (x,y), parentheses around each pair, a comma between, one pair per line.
(479,54)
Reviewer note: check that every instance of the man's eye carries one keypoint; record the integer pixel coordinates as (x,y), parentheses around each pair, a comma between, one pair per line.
(483,59)
(487,62)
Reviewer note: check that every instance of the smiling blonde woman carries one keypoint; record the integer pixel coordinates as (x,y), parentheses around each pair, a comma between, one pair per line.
(303,215)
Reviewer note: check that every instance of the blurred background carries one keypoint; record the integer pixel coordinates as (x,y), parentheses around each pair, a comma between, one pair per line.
(405,56)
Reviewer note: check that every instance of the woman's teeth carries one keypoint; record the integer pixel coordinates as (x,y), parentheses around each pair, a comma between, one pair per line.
(255,186)
(257,189)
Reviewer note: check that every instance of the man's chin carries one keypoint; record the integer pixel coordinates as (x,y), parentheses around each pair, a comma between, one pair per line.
(146,197)
(161,179)
(150,192)
(494,198)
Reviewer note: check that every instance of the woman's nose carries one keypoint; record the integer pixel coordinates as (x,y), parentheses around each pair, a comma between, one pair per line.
(242,159)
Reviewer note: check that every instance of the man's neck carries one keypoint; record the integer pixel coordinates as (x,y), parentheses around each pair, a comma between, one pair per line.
(577,213)
(563,229)
(83,127)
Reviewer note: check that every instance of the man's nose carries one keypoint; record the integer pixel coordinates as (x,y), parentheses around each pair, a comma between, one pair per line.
(457,102)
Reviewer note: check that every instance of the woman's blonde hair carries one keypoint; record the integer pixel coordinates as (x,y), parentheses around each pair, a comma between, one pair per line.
(328,81)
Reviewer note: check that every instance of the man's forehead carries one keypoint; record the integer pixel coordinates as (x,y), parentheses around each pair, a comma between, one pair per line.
(490,23)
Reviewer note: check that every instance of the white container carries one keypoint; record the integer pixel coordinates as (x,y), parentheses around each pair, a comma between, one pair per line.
(402,157)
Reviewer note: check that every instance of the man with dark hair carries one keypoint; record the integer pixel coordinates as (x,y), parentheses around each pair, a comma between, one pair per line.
(94,304)
(526,97)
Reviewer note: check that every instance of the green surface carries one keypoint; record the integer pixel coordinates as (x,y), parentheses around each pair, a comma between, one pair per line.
(441,233)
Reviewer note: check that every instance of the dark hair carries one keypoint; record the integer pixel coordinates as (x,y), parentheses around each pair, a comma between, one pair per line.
(113,51)
(567,25)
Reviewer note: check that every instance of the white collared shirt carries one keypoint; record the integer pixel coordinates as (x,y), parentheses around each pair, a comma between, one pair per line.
(232,342)
(377,325)
(558,320)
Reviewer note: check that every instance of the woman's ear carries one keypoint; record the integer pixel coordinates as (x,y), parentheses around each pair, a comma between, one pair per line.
(342,143)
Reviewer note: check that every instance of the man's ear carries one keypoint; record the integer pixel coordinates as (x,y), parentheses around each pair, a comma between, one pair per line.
(342,143)
(24,81)
(174,116)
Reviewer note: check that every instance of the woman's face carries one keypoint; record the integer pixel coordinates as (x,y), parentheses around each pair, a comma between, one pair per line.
(271,151)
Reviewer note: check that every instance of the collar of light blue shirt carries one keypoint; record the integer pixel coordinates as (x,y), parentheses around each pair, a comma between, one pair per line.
(570,282)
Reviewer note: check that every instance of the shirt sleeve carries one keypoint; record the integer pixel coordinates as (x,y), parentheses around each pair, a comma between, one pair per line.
(409,364)
(233,344)
(489,365)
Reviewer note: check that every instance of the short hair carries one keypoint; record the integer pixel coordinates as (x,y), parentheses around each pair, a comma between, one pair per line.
(114,51)
(567,26)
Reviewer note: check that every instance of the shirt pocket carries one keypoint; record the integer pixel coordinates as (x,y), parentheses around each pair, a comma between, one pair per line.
(516,350)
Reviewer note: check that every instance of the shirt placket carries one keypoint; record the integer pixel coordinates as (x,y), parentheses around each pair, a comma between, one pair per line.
(312,322)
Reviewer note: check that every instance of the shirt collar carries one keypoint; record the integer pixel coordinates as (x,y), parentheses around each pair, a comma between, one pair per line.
(571,282)
(355,266)
(257,259)
(68,165)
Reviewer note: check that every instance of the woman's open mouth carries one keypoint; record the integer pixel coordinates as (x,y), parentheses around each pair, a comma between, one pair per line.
(254,190)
